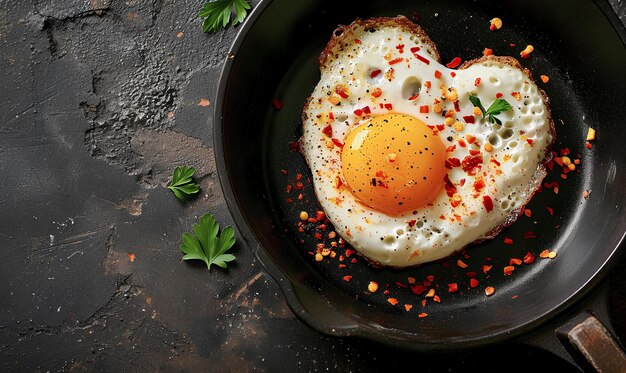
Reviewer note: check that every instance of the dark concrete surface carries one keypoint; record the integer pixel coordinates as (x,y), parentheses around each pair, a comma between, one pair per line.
(100,100)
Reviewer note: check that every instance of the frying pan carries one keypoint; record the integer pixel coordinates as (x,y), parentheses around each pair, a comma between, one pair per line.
(579,44)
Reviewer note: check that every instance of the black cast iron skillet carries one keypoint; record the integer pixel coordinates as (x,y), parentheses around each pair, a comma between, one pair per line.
(579,44)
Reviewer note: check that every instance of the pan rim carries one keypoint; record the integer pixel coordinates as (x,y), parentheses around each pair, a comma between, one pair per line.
(360,329)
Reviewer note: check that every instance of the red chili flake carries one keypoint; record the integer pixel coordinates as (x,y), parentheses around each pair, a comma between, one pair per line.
(450,148)
(530,234)
(294,146)
(427,62)
(452,74)
(347,278)
(284,172)
(479,185)
(437,74)
(349,252)
(422,315)
(415,96)
(411,223)
(358,112)
(530,141)
(388,106)
(418,289)
(277,104)
(469,119)
(515,261)
(457,108)
(473,282)
(528,258)
(512,45)
(550,211)
(357,41)
(487,52)
(453,287)
(477,82)
(456,61)
(396,60)
(331,116)
(400,48)
(486,268)
(508,241)
(377,92)
(462,143)
(588,145)
(393,301)
(299,176)
(375,73)
(318,236)
(424,109)
(320,215)
(508,270)
(471,163)
(440,127)
(131,257)
(414,49)
(452,162)
(473,151)
(337,143)
(288,188)
(328,131)
(449,187)
(353,260)
(498,95)
(488,203)
(528,213)
(367,110)
(341,93)
(437,299)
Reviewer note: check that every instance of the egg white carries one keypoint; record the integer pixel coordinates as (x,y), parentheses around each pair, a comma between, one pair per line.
(512,171)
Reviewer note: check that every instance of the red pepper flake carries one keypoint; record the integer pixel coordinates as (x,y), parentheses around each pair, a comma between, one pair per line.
(388,106)
(486,268)
(457,108)
(424,109)
(358,112)
(449,187)
(456,61)
(437,299)
(284,172)
(422,315)
(550,210)
(498,95)
(418,289)
(489,290)
(437,74)
(450,148)
(515,261)
(473,282)
(400,48)
(415,96)
(528,213)
(419,57)
(341,93)
(453,287)
(349,252)
(528,258)
(452,74)
(462,143)
(294,146)
(328,131)
(299,185)
(375,73)
(508,270)
(452,162)
(479,185)
(473,151)
(508,241)
(477,82)
(131,257)
(396,60)
(461,263)
(411,223)
(367,110)
(393,301)
(487,52)
(337,143)
(469,119)
(530,141)
(408,307)
(440,127)
(588,145)
(347,278)
(470,164)
(357,41)
(277,104)
(320,215)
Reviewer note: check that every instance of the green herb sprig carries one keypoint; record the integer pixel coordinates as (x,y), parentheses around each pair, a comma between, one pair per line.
(498,106)
(205,244)
(182,184)
(216,14)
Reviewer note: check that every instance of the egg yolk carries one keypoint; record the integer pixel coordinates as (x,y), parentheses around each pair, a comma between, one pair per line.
(393,163)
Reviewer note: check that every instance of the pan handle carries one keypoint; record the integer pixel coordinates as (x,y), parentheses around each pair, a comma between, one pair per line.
(582,338)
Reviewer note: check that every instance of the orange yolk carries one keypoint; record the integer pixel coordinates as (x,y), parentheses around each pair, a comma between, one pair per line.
(393,163)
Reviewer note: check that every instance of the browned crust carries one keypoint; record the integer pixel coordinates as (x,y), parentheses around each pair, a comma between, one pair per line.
(343,33)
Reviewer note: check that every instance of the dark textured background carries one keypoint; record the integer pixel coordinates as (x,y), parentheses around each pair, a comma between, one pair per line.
(100,100)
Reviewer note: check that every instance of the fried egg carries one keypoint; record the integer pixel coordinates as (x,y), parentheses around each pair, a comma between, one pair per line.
(405,166)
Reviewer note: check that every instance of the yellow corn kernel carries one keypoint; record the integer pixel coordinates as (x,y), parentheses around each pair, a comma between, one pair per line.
(458,126)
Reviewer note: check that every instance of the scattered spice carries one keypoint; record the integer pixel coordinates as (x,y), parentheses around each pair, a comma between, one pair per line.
(489,290)
(131,256)
(495,24)
(204,102)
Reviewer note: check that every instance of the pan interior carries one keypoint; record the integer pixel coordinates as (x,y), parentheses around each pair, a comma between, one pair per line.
(575,45)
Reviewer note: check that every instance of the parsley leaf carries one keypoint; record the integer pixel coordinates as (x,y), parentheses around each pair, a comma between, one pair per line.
(205,245)
(182,185)
(216,14)
(498,106)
